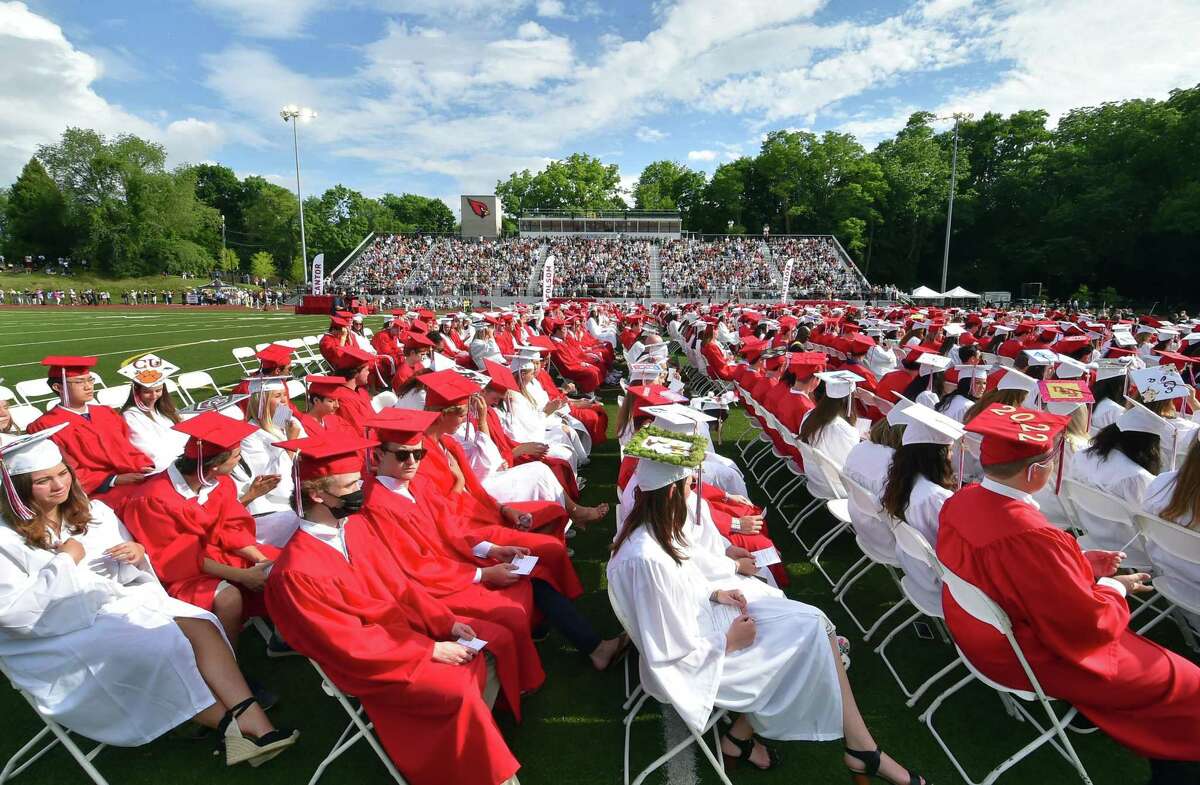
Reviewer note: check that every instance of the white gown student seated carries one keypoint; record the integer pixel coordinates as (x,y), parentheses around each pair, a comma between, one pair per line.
(709,638)
(1175,496)
(274,518)
(831,425)
(150,413)
(88,632)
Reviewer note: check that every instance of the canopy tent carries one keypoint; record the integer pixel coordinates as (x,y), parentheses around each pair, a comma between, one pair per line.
(924,293)
(960,293)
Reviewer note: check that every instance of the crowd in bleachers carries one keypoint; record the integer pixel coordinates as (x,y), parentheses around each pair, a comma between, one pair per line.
(600,267)
(386,265)
(475,267)
(695,268)
(819,269)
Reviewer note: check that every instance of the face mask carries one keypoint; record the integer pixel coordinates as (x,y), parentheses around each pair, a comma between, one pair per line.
(351,502)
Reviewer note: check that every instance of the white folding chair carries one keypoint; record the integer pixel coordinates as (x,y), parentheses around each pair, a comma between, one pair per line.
(383,400)
(822,494)
(360,728)
(62,736)
(23,414)
(113,396)
(196,380)
(634,706)
(876,538)
(295,388)
(258,347)
(97,380)
(1107,522)
(34,391)
(836,502)
(242,354)
(367,332)
(920,556)
(981,607)
(1174,552)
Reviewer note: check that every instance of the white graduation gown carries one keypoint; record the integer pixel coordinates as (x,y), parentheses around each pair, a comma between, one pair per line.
(958,407)
(924,506)
(563,414)
(1115,474)
(526,423)
(867,464)
(97,649)
(785,682)
(482,350)
(154,435)
(1166,563)
(1105,413)
(836,440)
(533,481)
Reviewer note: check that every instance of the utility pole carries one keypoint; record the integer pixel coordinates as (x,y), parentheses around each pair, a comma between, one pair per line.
(958,117)
(294,113)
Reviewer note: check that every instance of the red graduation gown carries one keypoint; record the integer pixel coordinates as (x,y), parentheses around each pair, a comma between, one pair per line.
(1074,632)
(479,516)
(593,415)
(718,363)
(377,646)
(180,533)
(96,447)
(355,408)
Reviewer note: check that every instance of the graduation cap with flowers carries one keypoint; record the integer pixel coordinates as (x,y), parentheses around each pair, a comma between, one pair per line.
(665,457)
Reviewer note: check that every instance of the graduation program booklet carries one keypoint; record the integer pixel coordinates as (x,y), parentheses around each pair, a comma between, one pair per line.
(475,643)
(525,564)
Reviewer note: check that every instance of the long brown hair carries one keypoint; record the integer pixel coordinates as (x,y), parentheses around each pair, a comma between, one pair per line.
(1185,499)
(75,512)
(663,511)
(910,461)
(826,411)
(1005,397)
(165,405)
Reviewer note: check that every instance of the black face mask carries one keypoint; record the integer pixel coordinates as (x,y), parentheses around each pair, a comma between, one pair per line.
(351,502)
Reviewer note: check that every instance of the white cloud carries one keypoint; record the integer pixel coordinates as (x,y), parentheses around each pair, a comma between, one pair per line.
(703,155)
(650,135)
(551,9)
(264,18)
(48,86)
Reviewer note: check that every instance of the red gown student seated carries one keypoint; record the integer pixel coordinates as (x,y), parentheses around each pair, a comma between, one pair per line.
(715,357)
(1068,608)
(195,530)
(387,340)
(446,473)
(417,349)
(337,339)
(502,381)
(323,404)
(354,397)
(383,639)
(97,445)
(572,365)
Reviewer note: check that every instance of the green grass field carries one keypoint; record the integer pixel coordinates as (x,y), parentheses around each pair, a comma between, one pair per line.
(572,732)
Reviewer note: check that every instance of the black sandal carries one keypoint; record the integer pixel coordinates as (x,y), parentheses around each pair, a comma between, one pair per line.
(871,760)
(239,748)
(746,748)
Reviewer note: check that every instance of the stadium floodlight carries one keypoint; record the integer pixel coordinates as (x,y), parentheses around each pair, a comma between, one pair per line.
(296,114)
(957,117)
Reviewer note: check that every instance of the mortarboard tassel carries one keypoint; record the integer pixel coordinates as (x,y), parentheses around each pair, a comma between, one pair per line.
(14,499)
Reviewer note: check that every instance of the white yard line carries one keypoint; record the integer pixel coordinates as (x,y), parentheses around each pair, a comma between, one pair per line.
(142,349)
(681,770)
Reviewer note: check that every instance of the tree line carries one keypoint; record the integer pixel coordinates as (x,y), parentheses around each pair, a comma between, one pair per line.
(113,202)
(1109,199)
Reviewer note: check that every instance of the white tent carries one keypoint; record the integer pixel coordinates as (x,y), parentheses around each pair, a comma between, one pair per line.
(924,293)
(960,293)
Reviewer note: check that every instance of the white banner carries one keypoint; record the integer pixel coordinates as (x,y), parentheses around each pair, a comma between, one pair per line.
(548,279)
(787,280)
(318,274)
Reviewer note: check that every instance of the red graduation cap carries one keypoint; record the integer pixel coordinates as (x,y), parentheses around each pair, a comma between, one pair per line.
(1117,351)
(349,357)
(425,313)
(447,388)
(967,339)
(59,366)
(1012,433)
(752,348)
(339,321)
(415,341)
(648,395)
(805,364)
(323,456)
(212,433)
(274,355)
(502,377)
(401,426)
(418,327)
(324,386)
(915,353)
(1180,361)
(542,342)
(1074,343)
(859,344)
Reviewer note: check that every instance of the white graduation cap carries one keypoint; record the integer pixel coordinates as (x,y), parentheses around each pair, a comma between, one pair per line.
(954,329)
(896,415)
(972,371)
(1002,329)
(1015,380)
(1138,418)
(1070,368)
(839,384)
(655,351)
(931,363)
(1038,357)
(1191,338)
(644,372)
(1160,383)
(1167,334)
(149,371)
(25,454)
(440,362)
(924,425)
(1112,367)
(1123,338)
(678,418)
(1145,329)
(635,351)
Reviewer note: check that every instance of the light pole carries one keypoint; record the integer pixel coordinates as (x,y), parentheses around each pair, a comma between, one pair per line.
(295,113)
(958,117)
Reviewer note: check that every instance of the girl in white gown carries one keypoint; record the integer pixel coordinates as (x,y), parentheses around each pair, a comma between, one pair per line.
(1175,496)
(527,421)
(150,414)
(274,517)
(831,425)
(88,632)
(710,638)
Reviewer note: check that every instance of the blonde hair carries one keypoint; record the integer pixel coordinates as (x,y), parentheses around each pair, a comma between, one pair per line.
(261,402)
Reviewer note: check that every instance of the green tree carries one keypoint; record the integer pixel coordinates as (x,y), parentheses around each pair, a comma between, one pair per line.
(262,265)
(578,182)
(35,217)
(723,200)
(271,219)
(414,213)
(667,185)
(229,261)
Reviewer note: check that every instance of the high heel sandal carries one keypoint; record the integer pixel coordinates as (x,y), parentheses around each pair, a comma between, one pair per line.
(239,748)
(871,760)
(746,748)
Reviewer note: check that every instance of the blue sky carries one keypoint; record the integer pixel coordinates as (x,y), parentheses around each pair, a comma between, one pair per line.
(442,97)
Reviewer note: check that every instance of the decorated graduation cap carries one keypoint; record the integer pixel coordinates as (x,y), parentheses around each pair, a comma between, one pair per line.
(839,384)
(401,426)
(664,457)
(1013,433)
(1123,339)
(212,433)
(1112,367)
(930,363)
(324,456)
(447,388)
(1064,396)
(149,371)
(60,368)
(28,453)
(644,372)
(324,386)
(924,425)
(1160,383)
(1036,357)
(274,355)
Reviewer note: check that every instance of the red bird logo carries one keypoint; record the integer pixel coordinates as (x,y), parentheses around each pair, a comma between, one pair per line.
(478,207)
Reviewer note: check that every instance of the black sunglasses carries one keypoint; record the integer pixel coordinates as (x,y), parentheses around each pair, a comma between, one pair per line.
(403,455)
